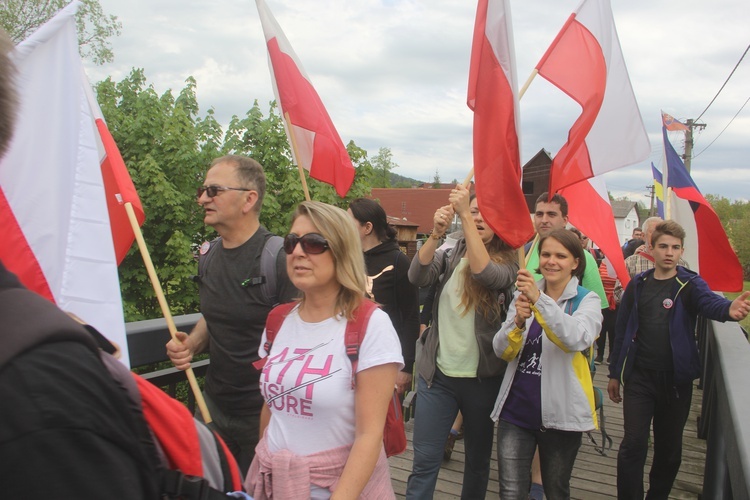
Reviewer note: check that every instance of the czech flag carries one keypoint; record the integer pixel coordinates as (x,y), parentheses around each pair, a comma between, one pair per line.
(707,247)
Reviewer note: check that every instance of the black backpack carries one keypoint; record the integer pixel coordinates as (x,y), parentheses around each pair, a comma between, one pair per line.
(267,276)
(175,455)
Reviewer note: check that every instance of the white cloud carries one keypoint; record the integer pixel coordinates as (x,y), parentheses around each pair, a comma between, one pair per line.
(393,73)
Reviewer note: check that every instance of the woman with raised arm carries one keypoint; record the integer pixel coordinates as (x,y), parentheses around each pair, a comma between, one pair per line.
(457,369)
(322,425)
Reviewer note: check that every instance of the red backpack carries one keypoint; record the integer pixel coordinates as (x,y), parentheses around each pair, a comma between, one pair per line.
(197,463)
(394,436)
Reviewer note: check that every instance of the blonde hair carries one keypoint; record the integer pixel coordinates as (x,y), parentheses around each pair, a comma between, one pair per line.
(337,227)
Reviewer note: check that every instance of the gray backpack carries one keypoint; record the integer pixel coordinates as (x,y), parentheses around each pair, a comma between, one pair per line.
(267,276)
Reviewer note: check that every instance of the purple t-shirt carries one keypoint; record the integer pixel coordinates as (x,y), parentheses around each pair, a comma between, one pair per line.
(523,407)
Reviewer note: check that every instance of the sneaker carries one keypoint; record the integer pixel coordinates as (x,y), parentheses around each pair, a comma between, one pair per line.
(536,492)
(449,447)
(598,360)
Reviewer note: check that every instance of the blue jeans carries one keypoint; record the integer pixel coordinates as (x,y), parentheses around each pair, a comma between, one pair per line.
(515,450)
(437,407)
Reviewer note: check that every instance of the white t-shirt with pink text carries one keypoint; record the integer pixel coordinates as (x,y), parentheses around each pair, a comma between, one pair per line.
(307,380)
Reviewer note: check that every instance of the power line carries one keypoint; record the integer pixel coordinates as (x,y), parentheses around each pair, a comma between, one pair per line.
(725,82)
(728,124)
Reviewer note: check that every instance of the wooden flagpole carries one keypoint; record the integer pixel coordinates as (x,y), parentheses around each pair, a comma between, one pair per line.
(295,153)
(520,95)
(522,258)
(165,307)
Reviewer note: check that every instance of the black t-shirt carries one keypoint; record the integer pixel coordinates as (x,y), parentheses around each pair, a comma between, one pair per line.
(654,305)
(236,316)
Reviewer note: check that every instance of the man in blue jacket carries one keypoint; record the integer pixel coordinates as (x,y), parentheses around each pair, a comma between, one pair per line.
(655,358)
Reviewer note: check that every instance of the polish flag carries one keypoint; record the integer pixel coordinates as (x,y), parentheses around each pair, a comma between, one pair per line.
(707,248)
(585,61)
(118,186)
(493,98)
(591,213)
(56,229)
(316,145)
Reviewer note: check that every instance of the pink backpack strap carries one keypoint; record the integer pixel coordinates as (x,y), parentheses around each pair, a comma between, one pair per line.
(273,323)
(356,329)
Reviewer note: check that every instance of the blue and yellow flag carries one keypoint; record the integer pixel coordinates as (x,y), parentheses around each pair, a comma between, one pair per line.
(658,191)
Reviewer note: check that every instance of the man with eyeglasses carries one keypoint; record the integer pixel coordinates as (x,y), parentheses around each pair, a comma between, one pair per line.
(234,299)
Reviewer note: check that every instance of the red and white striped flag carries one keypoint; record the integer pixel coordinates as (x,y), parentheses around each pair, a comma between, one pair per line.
(590,211)
(585,61)
(493,98)
(56,228)
(316,145)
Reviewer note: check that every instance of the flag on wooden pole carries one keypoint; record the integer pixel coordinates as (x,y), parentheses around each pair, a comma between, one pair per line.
(316,145)
(56,230)
(493,98)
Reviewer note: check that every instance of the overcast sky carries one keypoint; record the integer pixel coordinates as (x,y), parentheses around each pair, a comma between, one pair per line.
(393,73)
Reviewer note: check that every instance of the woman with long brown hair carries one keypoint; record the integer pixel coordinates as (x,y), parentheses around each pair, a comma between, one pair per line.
(458,369)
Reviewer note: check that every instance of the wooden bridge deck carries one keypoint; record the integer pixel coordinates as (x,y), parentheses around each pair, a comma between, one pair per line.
(594,476)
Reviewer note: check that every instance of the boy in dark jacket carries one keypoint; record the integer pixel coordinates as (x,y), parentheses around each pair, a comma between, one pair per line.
(655,358)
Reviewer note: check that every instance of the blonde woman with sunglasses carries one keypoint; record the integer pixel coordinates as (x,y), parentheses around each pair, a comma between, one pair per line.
(315,423)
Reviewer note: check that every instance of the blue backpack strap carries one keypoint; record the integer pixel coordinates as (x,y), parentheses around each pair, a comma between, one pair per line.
(572,305)
(273,323)
(356,328)
(570,308)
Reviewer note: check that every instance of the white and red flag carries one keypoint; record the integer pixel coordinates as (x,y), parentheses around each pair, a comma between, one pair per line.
(56,229)
(585,61)
(118,186)
(590,211)
(316,145)
(493,98)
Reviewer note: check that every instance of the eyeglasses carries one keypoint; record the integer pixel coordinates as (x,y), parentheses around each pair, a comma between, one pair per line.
(212,191)
(312,243)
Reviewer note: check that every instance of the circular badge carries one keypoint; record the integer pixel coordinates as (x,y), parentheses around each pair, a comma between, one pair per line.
(667,303)
(205,247)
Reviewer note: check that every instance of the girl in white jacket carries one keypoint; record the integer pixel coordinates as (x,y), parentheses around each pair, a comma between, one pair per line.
(546,398)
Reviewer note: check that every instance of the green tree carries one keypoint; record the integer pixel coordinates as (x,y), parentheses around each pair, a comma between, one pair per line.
(20,18)
(735,217)
(436,180)
(383,164)
(167,147)
(158,137)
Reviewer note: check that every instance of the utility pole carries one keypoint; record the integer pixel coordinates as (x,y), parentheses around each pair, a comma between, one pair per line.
(690,124)
(652,210)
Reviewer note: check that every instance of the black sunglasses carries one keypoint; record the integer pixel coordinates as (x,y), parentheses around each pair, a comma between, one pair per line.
(212,191)
(312,243)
